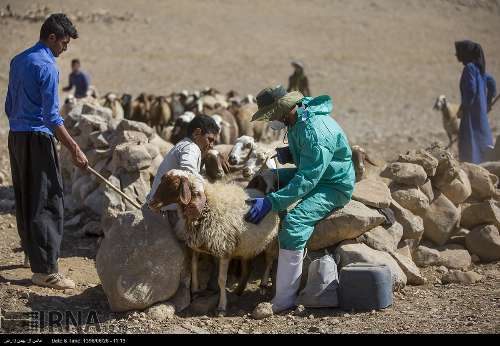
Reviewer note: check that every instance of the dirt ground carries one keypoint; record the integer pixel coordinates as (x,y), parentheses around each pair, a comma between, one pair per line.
(383,62)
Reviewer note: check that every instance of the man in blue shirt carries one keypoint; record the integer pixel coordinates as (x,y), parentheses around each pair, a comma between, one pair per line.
(78,79)
(32,107)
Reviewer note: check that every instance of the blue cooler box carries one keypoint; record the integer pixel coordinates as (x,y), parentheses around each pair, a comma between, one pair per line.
(365,286)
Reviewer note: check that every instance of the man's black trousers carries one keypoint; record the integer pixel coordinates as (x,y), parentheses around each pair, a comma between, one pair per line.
(38,188)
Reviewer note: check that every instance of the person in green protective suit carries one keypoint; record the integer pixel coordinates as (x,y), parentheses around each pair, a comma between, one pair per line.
(323,180)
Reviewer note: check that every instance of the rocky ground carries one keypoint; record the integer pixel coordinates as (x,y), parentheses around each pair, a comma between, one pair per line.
(384,62)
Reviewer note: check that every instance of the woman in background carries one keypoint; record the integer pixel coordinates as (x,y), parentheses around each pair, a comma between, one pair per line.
(477,90)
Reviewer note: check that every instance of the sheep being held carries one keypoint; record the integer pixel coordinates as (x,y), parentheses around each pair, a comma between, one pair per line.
(220,230)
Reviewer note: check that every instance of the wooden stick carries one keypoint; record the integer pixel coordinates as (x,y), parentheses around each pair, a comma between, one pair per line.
(107,182)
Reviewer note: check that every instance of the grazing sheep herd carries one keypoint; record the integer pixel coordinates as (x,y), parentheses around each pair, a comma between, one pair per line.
(242,147)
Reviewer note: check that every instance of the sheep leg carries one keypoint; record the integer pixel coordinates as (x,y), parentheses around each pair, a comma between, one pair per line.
(264,282)
(450,141)
(245,273)
(195,286)
(223,266)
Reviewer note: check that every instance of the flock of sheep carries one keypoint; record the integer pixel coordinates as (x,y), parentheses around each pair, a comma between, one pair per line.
(242,147)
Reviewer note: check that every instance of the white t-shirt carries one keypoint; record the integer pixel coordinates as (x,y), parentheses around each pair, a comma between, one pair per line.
(185,155)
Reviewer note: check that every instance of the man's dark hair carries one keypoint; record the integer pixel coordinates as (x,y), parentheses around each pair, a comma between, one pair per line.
(59,25)
(75,61)
(203,122)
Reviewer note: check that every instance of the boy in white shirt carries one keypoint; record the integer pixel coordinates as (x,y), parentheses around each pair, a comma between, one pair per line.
(187,155)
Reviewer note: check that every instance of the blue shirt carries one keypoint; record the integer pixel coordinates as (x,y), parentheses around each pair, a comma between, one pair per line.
(80,81)
(32,103)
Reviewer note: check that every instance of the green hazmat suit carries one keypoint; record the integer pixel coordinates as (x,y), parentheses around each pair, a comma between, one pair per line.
(324,177)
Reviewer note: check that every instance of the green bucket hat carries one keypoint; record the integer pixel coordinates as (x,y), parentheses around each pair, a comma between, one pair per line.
(274,103)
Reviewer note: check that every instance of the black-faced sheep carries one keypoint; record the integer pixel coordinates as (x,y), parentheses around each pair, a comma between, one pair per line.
(126,101)
(220,230)
(451,122)
(141,108)
(180,127)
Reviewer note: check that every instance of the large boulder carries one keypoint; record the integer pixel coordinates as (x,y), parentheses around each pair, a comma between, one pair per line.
(405,249)
(413,225)
(440,219)
(460,277)
(152,150)
(139,261)
(425,256)
(413,275)
(99,140)
(131,157)
(427,190)
(155,164)
(483,183)
(484,241)
(454,256)
(134,137)
(349,222)
(474,214)
(494,155)
(136,185)
(161,144)
(383,239)
(83,184)
(448,167)
(86,188)
(94,201)
(130,125)
(96,109)
(410,198)
(459,189)
(458,237)
(373,193)
(422,158)
(492,166)
(96,155)
(405,173)
(351,252)
(86,125)
(112,204)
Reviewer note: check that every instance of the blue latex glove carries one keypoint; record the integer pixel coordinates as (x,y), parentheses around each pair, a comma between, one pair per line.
(260,208)
(284,155)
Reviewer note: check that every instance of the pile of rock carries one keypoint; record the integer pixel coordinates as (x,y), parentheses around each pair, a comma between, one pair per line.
(125,152)
(443,211)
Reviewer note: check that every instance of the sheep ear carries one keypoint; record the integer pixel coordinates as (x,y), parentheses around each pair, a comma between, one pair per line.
(185,191)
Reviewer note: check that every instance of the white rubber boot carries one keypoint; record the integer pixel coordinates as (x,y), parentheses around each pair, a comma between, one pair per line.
(287,284)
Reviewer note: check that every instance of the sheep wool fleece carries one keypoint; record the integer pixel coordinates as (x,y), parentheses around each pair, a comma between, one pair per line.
(324,177)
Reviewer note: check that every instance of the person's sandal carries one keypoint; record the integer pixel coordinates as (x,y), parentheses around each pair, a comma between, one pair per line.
(56,281)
